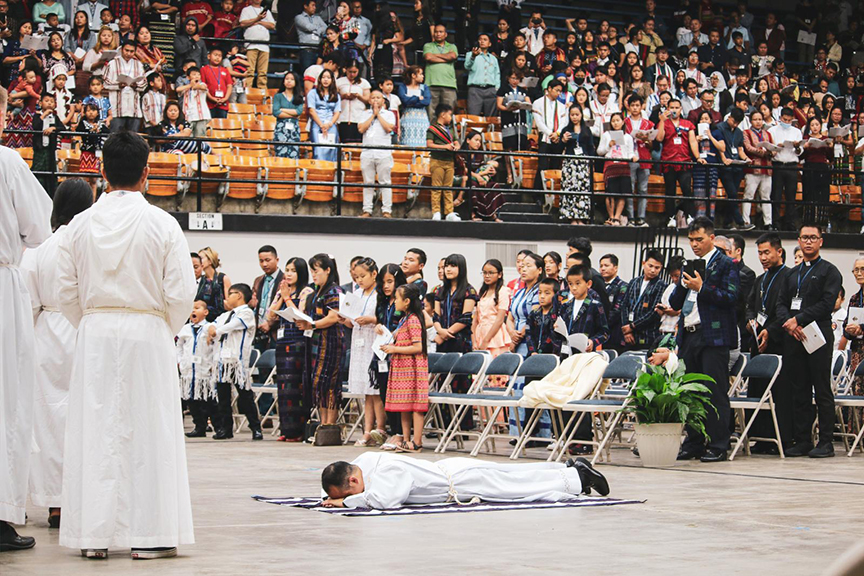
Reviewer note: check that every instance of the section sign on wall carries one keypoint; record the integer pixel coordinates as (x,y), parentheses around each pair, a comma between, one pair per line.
(205,221)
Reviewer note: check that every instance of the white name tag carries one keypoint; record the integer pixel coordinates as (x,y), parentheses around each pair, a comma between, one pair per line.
(308,333)
(692,296)
(360,342)
(196,359)
(280,333)
(219,94)
(164,17)
(382,366)
(733,151)
(761,318)
(796,304)
(565,349)
(676,141)
(631,316)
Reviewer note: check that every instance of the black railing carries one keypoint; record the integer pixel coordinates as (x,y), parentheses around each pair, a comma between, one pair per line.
(339,184)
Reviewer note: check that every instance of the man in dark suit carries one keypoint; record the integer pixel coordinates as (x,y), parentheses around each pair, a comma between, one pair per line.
(640,322)
(808,295)
(707,330)
(764,335)
(264,290)
(746,278)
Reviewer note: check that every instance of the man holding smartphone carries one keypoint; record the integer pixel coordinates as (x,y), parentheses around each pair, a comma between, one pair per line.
(707,329)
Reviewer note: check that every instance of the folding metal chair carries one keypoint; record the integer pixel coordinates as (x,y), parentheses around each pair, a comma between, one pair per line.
(439,373)
(471,364)
(533,367)
(764,366)
(503,365)
(607,404)
(851,401)
(432,358)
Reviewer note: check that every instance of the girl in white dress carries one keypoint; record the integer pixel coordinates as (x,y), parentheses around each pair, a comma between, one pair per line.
(360,379)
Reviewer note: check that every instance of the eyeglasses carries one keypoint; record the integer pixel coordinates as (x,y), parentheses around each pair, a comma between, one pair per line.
(809,238)
(858,270)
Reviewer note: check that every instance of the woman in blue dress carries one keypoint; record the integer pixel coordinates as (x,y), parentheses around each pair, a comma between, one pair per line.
(415,98)
(324,105)
(287,108)
(522,303)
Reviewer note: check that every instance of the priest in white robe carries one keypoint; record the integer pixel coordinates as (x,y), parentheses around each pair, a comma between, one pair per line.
(55,341)
(25,212)
(380,480)
(126,282)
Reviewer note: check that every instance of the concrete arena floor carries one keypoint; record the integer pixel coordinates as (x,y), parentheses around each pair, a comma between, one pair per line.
(757,515)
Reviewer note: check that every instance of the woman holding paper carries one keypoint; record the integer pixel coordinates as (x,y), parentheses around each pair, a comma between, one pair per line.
(705,175)
(80,39)
(616,144)
(853,329)
(816,177)
(97,58)
(834,127)
(294,403)
(13,54)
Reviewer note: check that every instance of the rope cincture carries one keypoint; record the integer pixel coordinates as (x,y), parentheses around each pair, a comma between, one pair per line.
(123,310)
(452,495)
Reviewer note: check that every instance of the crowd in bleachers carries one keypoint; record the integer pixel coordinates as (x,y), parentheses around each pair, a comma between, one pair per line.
(705,102)
(336,345)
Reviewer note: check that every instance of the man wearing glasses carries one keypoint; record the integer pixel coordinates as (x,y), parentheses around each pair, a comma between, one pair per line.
(807,296)
(707,100)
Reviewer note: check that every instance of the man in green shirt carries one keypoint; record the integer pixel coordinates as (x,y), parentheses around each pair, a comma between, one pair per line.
(440,71)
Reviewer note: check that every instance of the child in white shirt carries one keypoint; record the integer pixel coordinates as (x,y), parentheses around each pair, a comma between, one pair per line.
(232,334)
(197,361)
(195,108)
(618,145)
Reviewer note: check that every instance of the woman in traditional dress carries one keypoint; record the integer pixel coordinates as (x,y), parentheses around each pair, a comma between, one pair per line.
(287,108)
(577,177)
(55,55)
(14,54)
(149,54)
(324,106)
(293,398)
(854,333)
(486,198)
(415,97)
(324,347)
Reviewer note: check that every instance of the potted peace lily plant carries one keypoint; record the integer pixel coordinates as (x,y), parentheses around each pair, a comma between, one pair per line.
(665,399)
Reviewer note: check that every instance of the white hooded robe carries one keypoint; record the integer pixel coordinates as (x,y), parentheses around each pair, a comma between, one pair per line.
(126,283)
(25,214)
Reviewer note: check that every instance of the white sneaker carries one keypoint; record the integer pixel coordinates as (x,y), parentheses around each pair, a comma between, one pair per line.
(453,217)
(436,216)
(95,553)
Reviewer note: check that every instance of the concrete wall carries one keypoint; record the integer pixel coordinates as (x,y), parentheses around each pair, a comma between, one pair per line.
(238,252)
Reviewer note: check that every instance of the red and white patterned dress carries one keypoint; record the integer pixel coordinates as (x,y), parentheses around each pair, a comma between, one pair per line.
(408,385)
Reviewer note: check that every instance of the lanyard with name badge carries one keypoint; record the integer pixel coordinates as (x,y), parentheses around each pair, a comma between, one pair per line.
(761,317)
(796,301)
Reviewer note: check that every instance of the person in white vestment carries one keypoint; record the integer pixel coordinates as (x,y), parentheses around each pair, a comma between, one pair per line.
(25,213)
(126,282)
(55,341)
(380,480)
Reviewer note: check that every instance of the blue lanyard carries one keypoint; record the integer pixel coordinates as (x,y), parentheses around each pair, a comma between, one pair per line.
(711,261)
(800,279)
(764,291)
(389,315)
(365,302)
(398,326)
(449,306)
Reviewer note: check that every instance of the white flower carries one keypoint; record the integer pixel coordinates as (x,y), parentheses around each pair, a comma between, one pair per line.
(671,364)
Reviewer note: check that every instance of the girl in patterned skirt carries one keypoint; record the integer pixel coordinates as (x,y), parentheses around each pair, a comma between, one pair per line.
(408,384)
(91,144)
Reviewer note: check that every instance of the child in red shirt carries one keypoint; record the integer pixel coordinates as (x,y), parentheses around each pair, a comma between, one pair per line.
(219,83)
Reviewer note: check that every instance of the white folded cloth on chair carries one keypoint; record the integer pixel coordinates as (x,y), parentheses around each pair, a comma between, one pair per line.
(574,379)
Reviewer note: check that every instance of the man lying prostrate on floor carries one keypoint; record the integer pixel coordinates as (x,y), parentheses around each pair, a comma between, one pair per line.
(382,480)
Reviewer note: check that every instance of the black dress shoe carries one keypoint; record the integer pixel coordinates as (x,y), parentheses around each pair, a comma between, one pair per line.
(197,433)
(689,454)
(589,476)
(257,435)
(799,449)
(10,539)
(714,455)
(823,450)
(223,435)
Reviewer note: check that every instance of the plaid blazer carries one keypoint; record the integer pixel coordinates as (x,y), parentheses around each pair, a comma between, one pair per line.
(590,320)
(717,301)
(540,335)
(646,322)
